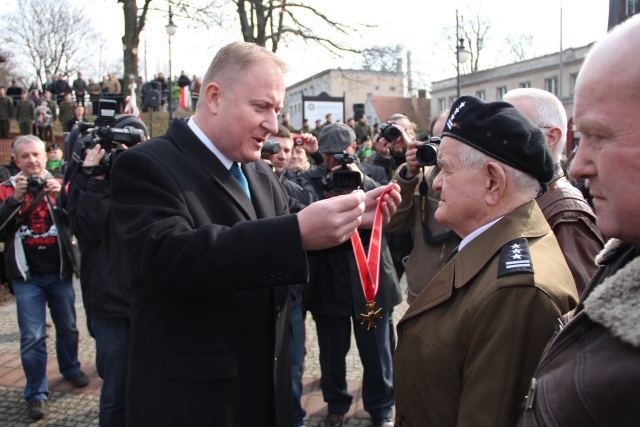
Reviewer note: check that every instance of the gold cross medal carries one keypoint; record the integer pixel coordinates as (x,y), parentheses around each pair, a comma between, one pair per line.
(371,316)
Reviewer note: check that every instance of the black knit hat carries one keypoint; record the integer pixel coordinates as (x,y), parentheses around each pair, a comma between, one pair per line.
(501,131)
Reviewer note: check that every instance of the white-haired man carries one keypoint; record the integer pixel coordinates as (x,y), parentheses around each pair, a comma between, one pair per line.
(564,207)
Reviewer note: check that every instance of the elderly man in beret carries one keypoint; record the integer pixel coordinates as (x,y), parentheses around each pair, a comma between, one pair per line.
(335,296)
(470,341)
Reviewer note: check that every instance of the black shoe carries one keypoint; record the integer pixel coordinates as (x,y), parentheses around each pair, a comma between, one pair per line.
(334,420)
(385,422)
(37,409)
(78,380)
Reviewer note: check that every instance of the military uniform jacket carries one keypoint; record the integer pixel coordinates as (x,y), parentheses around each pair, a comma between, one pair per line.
(6,107)
(26,111)
(469,343)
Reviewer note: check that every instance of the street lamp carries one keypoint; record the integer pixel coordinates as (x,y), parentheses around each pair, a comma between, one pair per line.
(171,30)
(462,54)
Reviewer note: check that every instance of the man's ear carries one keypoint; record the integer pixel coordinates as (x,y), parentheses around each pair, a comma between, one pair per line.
(553,137)
(495,182)
(212,96)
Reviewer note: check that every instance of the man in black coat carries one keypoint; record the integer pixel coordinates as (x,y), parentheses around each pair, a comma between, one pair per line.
(209,342)
(336,299)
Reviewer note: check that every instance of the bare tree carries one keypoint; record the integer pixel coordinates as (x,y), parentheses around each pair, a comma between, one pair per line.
(196,13)
(520,46)
(264,22)
(51,35)
(474,29)
(382,58)
(267,22)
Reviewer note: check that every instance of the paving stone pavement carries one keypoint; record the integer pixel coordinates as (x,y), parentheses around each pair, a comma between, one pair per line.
(70,407)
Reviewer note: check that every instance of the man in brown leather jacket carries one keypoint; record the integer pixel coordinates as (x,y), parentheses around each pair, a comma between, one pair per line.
(564,207)
(590,373)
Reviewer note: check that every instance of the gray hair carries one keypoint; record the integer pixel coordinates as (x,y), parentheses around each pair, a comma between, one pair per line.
(472,158)
(548,112)
(25,139)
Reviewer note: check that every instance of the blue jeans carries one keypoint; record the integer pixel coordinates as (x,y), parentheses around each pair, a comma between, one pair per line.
(112,352)
(32,297)
(296,348)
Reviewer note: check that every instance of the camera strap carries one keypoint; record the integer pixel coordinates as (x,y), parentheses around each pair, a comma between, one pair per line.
(369,265)
(428,236)
(32,207)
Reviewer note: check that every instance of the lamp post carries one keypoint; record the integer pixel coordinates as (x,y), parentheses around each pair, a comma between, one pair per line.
(171,30)
(462,54)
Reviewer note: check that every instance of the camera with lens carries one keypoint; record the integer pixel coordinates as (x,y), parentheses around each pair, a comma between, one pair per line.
(427,153)
(109,133)
(390,132)
(343,179)
(269,147)
(298,139)
(35,184)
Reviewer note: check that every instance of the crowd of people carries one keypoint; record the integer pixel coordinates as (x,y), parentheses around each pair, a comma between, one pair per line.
(203,251)
(38,108)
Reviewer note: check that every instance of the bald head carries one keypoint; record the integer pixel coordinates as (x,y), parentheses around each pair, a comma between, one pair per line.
(605,113)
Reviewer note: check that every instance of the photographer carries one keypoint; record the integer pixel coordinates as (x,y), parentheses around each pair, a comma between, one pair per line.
(39,263)
(433,241)
(335,295)
(105,274)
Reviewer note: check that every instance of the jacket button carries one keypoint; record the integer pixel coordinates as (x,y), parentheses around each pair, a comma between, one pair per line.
(287,274)
(279,277)
(275,363)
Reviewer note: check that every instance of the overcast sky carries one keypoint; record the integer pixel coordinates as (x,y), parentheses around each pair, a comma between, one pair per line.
(418,25)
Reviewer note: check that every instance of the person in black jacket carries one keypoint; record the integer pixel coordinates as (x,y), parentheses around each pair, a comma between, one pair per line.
(336,300)
(105,276)
(199,214)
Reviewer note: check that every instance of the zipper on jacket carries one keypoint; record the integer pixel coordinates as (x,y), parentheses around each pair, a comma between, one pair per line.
(529,403)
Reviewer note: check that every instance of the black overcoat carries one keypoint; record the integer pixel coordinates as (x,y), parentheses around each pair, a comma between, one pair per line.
(209,332)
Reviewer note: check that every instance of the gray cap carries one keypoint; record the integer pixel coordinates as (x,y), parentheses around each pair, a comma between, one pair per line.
(335,138)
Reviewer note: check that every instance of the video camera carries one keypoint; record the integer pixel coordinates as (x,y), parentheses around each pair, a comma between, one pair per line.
(427,153)
(269,147)
(343,179)
(107,131)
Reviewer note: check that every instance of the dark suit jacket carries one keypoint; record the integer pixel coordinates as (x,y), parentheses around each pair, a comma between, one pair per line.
(209,332)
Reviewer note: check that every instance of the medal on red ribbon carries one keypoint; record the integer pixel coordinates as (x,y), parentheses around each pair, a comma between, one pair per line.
(369,265)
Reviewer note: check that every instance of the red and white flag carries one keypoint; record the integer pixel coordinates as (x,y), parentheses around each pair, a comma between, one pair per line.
(184,97)
(132,105)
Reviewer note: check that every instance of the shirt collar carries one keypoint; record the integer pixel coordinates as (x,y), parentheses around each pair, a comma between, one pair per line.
(476,233)
(208,143)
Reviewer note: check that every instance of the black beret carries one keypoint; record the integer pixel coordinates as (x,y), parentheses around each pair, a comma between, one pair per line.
(501,131)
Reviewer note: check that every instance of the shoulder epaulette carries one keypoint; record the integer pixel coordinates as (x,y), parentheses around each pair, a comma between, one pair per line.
(515,258)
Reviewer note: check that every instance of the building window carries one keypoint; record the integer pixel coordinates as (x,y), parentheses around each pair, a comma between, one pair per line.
(525,84)
(551,85)
(392,88)
(442,104)
(481,95)
(377,88)
(573,77)
(500,92)
(452,99)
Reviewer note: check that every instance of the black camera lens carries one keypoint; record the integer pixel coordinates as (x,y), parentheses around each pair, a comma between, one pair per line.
(390,132)
(35,184)
(269,147)
(427,153)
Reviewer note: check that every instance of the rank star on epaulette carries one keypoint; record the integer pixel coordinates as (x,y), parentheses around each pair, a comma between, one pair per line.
(515,258)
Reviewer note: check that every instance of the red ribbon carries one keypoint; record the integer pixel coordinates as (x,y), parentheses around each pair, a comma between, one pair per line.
(369,265)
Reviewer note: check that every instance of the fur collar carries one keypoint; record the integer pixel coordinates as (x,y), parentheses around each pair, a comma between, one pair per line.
(615,303)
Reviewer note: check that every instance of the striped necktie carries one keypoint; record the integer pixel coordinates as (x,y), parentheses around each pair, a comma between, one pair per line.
(237,173)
